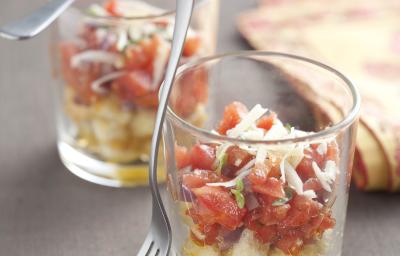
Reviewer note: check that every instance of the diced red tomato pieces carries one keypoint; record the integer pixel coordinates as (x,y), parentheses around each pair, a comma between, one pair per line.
(112,8)
(224,208)
(193,89)
(191,46)
(202,157)
(271,215)
(182,156)
(272,187)
(199,178)
(142,56)
(232,116)
(79,79)
(258,175)
(291,243)
(237,157)
(312,184)
(266,122)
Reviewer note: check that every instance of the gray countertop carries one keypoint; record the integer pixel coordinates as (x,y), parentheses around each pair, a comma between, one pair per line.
(45,210)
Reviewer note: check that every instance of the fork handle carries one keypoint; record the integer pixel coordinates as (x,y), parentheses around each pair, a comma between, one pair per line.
(36,22)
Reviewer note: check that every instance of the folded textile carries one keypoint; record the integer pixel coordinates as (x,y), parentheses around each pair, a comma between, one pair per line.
(360,38)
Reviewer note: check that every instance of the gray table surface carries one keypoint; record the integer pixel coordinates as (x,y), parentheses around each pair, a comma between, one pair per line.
(45,210)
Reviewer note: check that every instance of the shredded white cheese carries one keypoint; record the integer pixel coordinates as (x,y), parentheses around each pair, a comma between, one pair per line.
(122,40)
(237,162)
(293,178)
(310,194)
(322,177)
(261,154)
(331,170)
(247,121)
(232,182)
(243,172)
(322,148)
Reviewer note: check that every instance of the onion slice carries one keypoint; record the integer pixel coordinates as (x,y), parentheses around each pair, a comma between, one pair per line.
(96,56)
(241,174)
(96,85)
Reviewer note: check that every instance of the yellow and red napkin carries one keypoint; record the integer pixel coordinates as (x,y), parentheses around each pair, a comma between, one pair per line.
(361,38)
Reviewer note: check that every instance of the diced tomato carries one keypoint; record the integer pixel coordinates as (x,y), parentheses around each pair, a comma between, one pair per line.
(312,184)
(304,203)
(149,100)
(271,215)
(193,89)
(202,157)
(132,85)
(67,51)
(266,234)
(303,209)
(135,87)
(191,46)
(272,187)
(112,8)
(237,157)
(274,167)
(291,243)
(258,175)
(182,156)
(233,114)
(79,79)
(332,152)
(142,56)
(210,232)
(223,206)
(266,122)
(327,223)
(304,168)
(199,178)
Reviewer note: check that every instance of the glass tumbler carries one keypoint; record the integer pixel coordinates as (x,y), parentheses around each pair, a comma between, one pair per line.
(109,60)
(272,179)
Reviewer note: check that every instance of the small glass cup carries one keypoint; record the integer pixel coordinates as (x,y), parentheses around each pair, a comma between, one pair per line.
(219,202)
(109,62)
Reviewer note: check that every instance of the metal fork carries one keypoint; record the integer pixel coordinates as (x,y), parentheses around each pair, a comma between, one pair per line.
(36,22)
(158,240)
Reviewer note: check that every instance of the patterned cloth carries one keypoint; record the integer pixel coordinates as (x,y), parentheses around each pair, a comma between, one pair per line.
(361,38)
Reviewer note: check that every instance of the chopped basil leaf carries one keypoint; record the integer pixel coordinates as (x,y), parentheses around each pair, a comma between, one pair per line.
(239,185)
(239,197)
(221,163)
(282,201)
(238,193)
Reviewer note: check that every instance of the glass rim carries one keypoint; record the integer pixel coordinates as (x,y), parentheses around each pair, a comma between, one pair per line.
(348,119)
(164,13)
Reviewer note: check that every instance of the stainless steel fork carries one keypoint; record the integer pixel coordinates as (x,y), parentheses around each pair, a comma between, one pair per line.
(158,240)
(33,24)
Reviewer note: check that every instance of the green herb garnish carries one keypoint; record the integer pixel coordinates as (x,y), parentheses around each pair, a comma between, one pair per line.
(282,201)
(221,163)
(238,193)
(288,127)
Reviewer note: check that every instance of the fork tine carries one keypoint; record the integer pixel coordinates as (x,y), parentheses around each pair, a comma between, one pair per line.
(154,252)
(146,246)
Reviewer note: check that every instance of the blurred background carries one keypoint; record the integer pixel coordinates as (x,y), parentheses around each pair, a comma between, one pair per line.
(45,210)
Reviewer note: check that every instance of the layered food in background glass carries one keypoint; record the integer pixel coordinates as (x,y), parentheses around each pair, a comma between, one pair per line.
(109,61)
(112,65)
(256,199)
